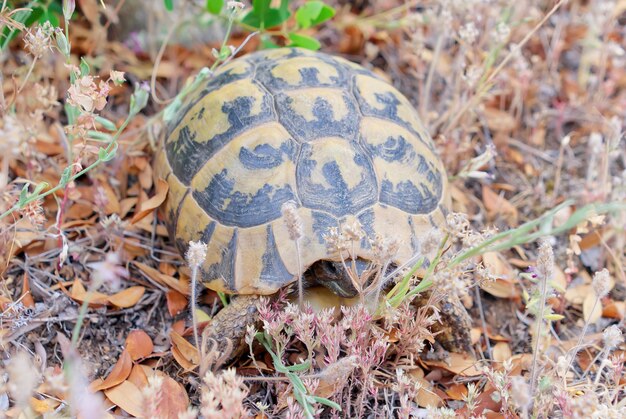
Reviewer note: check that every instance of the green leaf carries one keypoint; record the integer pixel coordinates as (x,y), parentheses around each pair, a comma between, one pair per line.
(84,67)
(169,5)
(297,383)
(102,137)
(299,367)
(326,402)
(65,177)
(23,196)
(25,16)
(304,41)
(50,16)
(263,17)
(138,100)
(104,155)
(313,13)
(63,44)
(106,123)
(261,8)
(214,6)
(39,188)
(267,43)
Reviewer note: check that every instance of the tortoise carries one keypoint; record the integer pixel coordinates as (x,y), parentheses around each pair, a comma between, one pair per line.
(294,125)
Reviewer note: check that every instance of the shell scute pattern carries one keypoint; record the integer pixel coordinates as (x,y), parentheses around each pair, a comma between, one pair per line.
(336,177)
(290,124)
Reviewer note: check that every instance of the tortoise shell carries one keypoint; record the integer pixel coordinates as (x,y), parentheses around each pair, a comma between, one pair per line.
(295,125)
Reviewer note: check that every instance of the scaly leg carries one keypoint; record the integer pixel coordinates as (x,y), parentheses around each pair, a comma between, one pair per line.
(223,338)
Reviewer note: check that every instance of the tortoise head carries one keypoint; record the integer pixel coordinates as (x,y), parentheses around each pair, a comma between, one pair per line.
(334,276)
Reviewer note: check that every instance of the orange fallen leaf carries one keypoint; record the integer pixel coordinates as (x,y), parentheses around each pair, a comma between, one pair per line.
(182,361)
(138,344)
(174,400)
(127,396)
(162,279)
(425,396)
(112,204)
(27,297)
(179,327)
(461,364)
(118,374)
(457,391)
(149,205)
(138,376)
(128,297)
(186,349)
(501,352)
(503,286)
(614,310)
(496,204)
(176,302)
(43,406)
(79,293)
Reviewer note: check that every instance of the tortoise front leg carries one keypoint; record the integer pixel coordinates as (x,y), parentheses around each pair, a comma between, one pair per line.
(223,338)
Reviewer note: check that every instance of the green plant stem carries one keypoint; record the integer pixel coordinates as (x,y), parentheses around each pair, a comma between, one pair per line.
(83,311)
(60,186)
(502,241)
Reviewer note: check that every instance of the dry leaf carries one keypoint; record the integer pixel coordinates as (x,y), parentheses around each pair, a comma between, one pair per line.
(128,297)
(186,349)
(461,364)
(503,286)
(128,397)
(138,376)
(475,334)
(590,304)
(80,294)
(176,302)
(501,352)
(179,326)
(614,310)
(145,207)
(173,401)
(498,120)
(182,361)
(425,397)
(495,204)
(43,406)
(164,280)
(27,297)
(577,294)
(118,374)
(138,344)
(112,203)
(457,391)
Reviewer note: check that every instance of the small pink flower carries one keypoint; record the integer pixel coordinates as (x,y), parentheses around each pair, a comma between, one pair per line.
(109,271)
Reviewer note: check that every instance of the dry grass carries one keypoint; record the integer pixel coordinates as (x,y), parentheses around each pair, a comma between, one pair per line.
(526,102)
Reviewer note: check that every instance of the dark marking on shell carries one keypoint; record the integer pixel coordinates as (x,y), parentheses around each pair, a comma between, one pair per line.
(415,243)
(337,199)
(394,149)
(274,270)
(234,208)
(225,268)
(265,156)
(367,218)
(409,197)
(324,124)
(187,155)
(322,223)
